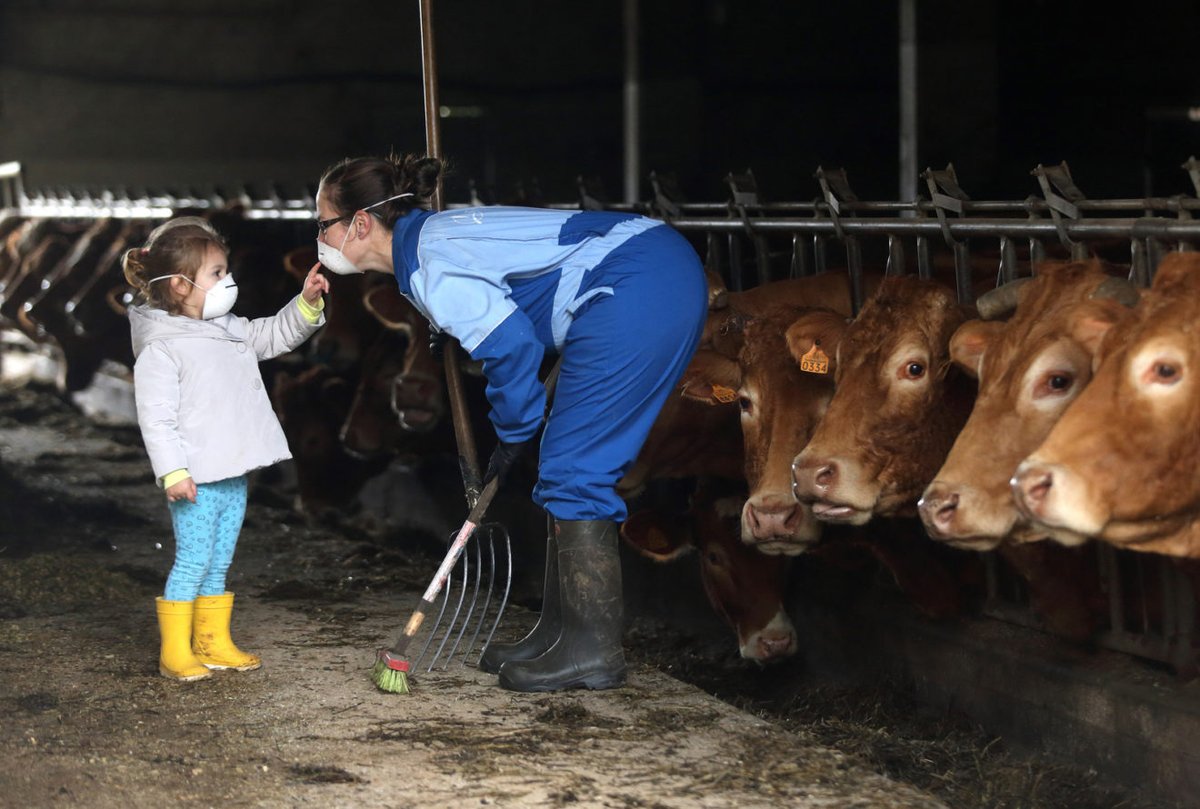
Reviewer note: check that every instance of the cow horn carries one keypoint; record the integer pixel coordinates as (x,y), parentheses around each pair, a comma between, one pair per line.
(1116,289)
(1000,301)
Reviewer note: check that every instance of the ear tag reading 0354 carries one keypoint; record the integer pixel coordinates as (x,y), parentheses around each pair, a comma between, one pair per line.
(815,361)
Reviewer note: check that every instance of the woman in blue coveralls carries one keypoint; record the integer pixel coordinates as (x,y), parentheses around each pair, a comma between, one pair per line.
(621,297)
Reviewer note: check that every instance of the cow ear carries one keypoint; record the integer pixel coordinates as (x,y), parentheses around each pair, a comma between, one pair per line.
(816,329)
(1177,273)
(655,537)
(970,341)
(711,378)
(299,260)
(388,306)
(726,331)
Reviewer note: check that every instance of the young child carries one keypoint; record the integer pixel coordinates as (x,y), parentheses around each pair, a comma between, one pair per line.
(206,421)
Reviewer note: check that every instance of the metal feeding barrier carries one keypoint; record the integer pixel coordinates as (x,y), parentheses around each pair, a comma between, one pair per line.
(749,241)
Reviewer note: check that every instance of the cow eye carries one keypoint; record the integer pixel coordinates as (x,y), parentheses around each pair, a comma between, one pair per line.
(1053,383)
(914,370)
(1165,373)
(744,403)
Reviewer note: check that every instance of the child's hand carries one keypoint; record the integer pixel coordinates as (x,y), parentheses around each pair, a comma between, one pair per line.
(314,285)
(183,490)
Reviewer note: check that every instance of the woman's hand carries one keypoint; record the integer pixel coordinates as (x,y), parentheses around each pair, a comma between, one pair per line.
(314,285)
(183,490)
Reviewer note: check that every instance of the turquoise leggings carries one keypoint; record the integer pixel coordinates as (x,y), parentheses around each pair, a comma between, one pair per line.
(206,533)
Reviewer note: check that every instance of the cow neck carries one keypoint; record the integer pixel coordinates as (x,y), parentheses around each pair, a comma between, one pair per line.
(406,234)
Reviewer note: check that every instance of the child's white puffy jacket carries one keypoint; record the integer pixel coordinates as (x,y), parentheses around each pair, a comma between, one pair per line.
(201,401)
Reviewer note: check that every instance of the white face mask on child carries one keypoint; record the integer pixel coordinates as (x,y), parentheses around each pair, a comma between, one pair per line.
(332,258)
(218,299)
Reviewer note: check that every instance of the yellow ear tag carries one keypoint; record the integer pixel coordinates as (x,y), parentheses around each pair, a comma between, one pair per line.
(815,361)
(723,394)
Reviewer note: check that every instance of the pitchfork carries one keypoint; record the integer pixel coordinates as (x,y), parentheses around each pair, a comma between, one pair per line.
(476,541)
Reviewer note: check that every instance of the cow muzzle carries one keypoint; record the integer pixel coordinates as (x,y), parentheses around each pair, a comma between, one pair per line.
(949,516)
(1052,495)
(776,524)
(417,401)
(827,486)
(774,641)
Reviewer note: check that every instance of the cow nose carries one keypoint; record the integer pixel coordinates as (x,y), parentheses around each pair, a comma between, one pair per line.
(827,475)
(772,646)
(1031,486)
(938,508)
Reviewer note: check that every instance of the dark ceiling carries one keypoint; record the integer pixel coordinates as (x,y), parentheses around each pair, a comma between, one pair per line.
(115,92)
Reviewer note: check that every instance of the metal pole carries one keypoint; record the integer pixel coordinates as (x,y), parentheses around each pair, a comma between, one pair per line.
(433,133)
(908,100)
(633,155)
(468,457)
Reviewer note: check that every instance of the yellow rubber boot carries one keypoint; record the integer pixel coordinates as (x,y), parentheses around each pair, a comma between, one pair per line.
(175,658)
(210,636)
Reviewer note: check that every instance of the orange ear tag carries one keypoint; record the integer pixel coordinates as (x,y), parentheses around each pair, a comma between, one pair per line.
(723,394)
(815,361)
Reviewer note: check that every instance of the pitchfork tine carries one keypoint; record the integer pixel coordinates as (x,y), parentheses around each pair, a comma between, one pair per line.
(462,596)
(487,598)
(462,628)
(507,588)
(433,628)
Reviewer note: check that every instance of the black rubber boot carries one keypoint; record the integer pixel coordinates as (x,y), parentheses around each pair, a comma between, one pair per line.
(545,632)
(588,653)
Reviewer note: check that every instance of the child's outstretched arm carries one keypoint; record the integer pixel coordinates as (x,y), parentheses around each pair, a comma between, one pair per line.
(295,322)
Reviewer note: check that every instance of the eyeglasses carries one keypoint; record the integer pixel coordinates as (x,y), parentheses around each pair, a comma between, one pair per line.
(325,224)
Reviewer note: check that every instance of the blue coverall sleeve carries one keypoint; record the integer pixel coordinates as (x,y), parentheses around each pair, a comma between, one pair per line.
(511,356)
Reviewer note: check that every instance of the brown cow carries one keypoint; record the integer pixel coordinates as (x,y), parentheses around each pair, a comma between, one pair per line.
(745,587)
(688,439)
(401,389)
(1120,463)
(780,404)
(896,409)
(744,360)
(1030,369)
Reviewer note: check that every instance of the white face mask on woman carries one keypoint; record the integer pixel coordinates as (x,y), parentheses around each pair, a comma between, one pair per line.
(218,299)
(332,258)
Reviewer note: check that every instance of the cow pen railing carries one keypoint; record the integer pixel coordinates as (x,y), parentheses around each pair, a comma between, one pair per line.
(1151,603)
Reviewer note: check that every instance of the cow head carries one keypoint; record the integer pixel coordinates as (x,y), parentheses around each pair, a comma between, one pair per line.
(1029,369)
(1120,462)
(780,405)
(400,386)
(896,409)
(744,586)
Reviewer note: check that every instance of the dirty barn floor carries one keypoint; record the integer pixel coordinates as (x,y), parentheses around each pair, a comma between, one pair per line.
(85,545)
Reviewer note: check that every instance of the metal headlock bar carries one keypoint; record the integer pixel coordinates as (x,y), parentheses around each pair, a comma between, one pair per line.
(1166,630)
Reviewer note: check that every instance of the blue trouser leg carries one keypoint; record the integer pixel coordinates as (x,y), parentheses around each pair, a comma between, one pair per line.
(623,356)
(206,534)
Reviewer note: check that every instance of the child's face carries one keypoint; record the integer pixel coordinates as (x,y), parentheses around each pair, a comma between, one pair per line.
(213,269)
